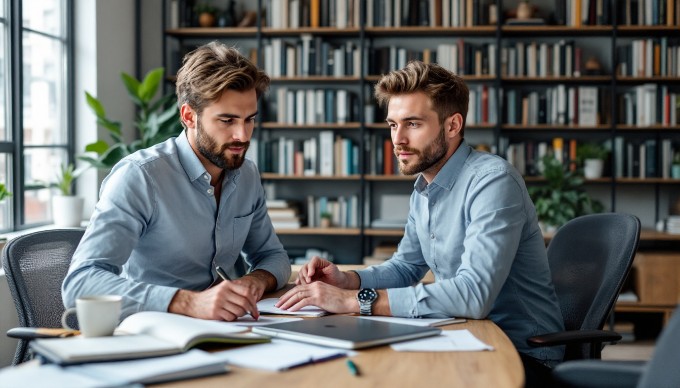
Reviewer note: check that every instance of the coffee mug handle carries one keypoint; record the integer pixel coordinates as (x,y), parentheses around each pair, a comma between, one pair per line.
(64,318)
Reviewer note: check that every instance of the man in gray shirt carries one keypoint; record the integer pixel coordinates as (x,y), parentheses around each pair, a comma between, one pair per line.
(170,214)
(470,221)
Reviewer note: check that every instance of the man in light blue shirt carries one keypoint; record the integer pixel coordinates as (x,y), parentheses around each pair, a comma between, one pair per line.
(169,215)
(471,222)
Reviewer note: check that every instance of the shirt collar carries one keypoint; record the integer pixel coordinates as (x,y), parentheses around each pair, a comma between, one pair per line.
(446,177)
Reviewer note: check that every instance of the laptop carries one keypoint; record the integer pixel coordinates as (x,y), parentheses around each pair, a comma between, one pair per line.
(345,332)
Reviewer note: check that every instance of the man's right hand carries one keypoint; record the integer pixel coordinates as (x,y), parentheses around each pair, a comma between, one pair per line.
(322,270)
(226,301)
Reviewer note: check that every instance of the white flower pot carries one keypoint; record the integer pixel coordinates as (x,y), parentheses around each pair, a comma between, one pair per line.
(592,168)
(67,210)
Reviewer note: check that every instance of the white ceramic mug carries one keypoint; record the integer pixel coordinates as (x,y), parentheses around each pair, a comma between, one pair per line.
(98,315)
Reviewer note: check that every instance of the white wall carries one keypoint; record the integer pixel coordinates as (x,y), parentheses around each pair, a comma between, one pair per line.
(104,47)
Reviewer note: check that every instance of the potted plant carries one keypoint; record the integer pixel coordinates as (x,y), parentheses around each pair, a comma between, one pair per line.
(562,197)
(4,192)
(156,121)
(326,219)
(67,209)
(592,156)
(206,14)
(675,167)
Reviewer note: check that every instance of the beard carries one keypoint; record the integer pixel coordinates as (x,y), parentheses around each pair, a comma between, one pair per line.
(428,157)
(215,153)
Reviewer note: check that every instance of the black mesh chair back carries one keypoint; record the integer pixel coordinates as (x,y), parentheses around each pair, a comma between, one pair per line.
(35,265)
(590,258)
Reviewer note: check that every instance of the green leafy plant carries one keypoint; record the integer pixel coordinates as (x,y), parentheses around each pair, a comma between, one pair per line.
(4,193)
(676,158)
(205,7)
(156,121)
(66,175)
(562,197)
(326,215)
(591,150)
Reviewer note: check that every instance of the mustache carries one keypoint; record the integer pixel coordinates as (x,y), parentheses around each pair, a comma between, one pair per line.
(408,149)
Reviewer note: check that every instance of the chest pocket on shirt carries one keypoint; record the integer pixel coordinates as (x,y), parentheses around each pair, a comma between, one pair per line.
(241,229)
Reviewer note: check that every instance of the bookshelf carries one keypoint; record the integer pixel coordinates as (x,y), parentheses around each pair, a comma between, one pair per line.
(372,47)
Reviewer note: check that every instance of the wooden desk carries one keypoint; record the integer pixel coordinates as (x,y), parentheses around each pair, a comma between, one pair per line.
(383,367)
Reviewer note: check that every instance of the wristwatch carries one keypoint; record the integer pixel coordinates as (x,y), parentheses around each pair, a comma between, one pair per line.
(366,297)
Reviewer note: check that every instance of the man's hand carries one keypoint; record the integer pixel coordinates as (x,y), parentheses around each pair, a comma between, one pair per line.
(322,270)
(226,301)
(322,295)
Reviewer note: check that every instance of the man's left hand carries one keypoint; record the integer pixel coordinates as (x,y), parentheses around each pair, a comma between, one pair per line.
(322,295)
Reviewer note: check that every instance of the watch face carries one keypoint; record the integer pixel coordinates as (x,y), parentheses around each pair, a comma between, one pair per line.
(367,295)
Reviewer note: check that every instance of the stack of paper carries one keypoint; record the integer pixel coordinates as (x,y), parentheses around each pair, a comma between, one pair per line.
(448,341)
(417,321)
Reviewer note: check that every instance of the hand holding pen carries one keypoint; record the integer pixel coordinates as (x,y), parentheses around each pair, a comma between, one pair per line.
(222,274)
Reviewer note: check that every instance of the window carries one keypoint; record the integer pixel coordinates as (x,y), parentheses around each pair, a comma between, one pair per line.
(36,136)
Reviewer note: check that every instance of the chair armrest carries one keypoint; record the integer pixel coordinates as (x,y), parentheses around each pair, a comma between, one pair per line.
(573,337)
(596,373)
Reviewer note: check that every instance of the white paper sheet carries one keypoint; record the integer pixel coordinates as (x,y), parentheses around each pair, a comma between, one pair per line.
(417,321)
(263,320)
(266,306)
(448,341)
(279,355)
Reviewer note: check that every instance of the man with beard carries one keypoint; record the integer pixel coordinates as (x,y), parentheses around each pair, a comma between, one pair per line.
(471,222)
(169,215)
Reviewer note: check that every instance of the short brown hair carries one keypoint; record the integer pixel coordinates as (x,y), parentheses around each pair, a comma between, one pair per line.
(213,68)
(447,91)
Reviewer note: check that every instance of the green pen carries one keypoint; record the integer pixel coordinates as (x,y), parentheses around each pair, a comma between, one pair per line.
(353,369)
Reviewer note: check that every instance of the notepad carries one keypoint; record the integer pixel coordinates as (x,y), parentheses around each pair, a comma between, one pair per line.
(145,334)
(267,306)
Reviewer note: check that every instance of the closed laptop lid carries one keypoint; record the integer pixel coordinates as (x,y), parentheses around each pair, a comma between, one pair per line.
(346,332)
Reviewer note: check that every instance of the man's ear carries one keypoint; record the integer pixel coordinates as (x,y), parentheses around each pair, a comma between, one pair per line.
(453,124)
(187,115)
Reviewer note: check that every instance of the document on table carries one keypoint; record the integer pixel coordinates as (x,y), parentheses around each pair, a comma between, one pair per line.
(279,355)
(417,321)
(266,306)
(247,320)
(448,341)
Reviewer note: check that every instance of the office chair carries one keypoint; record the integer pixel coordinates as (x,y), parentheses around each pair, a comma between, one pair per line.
(589,258)
(35,265)
(660,372)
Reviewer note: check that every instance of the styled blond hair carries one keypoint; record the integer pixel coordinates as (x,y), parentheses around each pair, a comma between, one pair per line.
(448,92)
(213,68)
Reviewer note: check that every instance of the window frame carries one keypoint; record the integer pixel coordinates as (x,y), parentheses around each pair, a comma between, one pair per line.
(14,146)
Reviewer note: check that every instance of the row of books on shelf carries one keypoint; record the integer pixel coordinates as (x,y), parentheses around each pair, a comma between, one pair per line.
(576,105)
(312,13)
(325,155)
(631,158)
(309,55)
(381,159)
(649,57)
(467,59)
(532,59)
(430,13)
(315,106)
(341,211)
(648,12)
(577,13)
(649,104)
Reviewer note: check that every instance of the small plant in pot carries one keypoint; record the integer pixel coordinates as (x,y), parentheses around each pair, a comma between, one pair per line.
(592,156)
(67,209)
(206,14)
(561,197)
(326,219)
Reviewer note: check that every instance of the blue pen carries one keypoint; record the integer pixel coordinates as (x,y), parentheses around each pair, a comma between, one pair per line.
(353,369)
